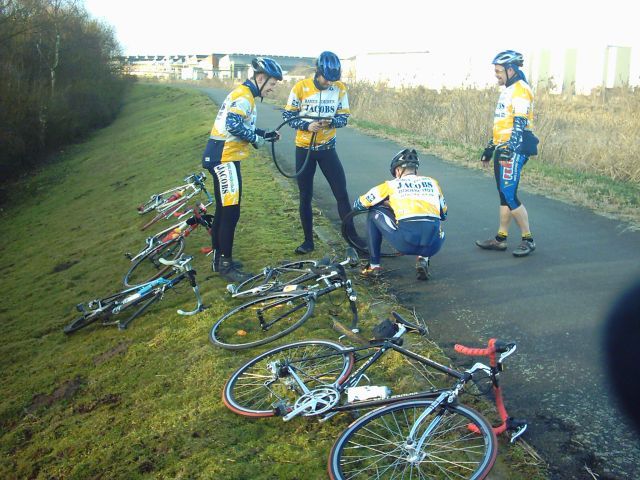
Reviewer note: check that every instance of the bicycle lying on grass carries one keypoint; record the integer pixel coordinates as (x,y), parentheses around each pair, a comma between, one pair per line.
(287,276)
(424,434)
(142,297)
(167,244)
(171,203)
(265,319)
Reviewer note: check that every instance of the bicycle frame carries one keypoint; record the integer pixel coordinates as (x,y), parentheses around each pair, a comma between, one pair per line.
(381,348)
(309,273)
(313,292)
(160,239)
(448,395)
(116,303)
(158,199)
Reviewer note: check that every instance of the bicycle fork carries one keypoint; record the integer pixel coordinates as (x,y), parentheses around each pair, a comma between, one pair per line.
(413,447)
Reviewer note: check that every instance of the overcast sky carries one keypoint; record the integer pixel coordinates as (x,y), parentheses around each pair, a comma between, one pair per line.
(348,27)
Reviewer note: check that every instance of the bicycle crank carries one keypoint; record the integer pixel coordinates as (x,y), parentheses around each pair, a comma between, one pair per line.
(315,402)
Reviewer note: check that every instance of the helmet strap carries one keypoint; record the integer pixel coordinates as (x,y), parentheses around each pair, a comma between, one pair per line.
(255,80)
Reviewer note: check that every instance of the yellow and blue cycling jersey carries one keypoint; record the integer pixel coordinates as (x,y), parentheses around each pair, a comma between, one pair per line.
(235,123)
(410,197)
(306,99)
(515,101)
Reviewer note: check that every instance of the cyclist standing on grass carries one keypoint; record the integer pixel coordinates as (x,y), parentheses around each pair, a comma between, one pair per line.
(321,96)
(233,134)
(512,144)
(407,211)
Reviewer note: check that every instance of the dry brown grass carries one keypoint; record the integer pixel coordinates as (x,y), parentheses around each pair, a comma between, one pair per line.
(588,134)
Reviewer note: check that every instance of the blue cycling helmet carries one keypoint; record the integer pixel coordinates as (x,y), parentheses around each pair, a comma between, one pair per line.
(509,58)
(404,158)
(267,65)
(328,65)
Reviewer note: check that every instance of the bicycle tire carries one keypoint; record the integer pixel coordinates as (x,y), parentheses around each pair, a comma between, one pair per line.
(359,219)
(81,322)
(241,328)
(148,267)
(273,279)
(451,449)
(249,393)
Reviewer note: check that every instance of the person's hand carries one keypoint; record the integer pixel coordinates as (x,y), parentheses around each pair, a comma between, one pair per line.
(487,154)
(272,136)
(258,142)
(315,126)
(325,123)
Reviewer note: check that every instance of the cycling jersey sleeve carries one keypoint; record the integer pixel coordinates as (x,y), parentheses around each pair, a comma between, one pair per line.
(339,121)
(235,126)
(377,194)
(298,124)
(515,142)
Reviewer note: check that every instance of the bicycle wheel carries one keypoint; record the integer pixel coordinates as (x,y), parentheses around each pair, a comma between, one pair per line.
(82,321)
(378,445)
(267,380)
(261,320)
(358,236)
(274,279)
(148,267)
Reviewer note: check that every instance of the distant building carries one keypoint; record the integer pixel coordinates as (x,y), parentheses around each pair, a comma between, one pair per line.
(238,65)
(168,67)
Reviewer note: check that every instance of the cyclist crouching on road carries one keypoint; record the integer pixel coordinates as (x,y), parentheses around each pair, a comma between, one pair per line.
(512,144)
(407,212)
(233,134)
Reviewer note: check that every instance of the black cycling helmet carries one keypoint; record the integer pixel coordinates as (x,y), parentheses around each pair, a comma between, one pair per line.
(328,65)
(404,158)
(267,65)
(509,58)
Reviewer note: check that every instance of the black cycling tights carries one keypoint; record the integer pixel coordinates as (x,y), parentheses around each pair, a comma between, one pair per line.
(225,218)
(333,172)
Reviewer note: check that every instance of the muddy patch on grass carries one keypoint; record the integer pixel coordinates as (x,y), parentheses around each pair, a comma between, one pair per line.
(120,349)
(64,392)
(61,267)
(108,399)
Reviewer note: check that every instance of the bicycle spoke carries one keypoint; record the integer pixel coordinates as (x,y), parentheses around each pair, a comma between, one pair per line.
(267,379)
(379,445)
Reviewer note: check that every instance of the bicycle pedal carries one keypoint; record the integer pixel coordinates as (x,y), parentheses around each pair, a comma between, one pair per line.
(80,308)
(128,255)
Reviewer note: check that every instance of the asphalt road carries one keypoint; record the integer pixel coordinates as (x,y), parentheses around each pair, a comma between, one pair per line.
(554,303)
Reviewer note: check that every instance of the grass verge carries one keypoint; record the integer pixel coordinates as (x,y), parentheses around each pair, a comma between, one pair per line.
(146,402)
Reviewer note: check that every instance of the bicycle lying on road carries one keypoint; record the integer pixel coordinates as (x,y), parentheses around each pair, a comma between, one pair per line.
(171,203)
(267,318)
(142,297)
(167,244)
(424,434)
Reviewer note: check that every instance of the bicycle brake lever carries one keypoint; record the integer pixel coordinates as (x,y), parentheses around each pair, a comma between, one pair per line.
(519,431)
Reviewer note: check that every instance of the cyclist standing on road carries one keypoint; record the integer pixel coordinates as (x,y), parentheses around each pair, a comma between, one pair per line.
(512,144)
(233,134)
(407,212)
(326,97)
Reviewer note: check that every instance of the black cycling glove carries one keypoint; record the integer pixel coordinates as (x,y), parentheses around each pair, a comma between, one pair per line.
(487,154)
(270,135)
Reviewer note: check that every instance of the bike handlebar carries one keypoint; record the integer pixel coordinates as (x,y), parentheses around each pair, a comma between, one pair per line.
(493,346)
